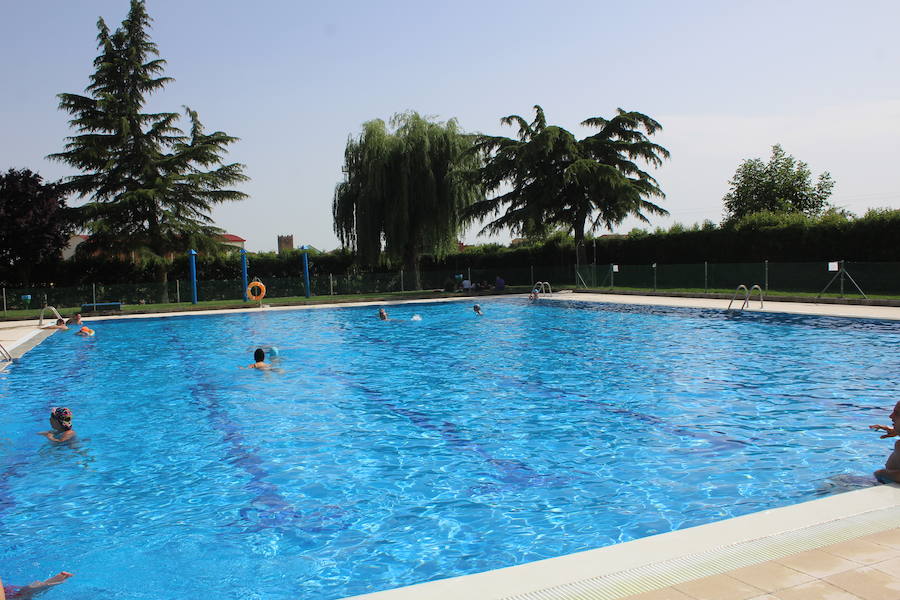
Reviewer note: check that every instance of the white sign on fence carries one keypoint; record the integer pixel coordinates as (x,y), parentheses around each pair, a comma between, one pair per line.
(832,266)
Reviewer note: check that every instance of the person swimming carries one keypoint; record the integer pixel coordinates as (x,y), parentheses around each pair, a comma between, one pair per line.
(259,356)
(477,309)
(60,324)
(85,331)
(16,592)
(61,422)
(382,314)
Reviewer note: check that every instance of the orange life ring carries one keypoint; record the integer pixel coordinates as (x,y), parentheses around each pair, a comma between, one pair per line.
(260,295)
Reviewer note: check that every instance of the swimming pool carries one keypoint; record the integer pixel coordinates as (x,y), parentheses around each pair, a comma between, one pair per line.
(385,454)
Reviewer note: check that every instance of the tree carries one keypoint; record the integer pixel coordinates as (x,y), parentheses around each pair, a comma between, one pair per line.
(783,185)
(33,222)
(150,186)
(404,191)
(554,179)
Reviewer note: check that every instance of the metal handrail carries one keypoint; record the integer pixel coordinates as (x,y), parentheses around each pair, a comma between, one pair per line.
(4,353)
(747,294)
(55,312)
(750,293)
(542,287)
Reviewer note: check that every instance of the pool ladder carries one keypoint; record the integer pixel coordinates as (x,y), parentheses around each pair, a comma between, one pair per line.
(747,294)
(542,287)
(5,357)
(53,310)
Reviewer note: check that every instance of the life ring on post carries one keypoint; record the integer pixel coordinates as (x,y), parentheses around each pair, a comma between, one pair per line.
(258,296)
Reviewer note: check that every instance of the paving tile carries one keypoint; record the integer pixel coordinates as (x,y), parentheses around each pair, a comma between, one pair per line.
(663,594)
(861,551)
(817,563)
(891,567)
(770,576)
(718,587)
(891,538)
(816,590)
(868,583)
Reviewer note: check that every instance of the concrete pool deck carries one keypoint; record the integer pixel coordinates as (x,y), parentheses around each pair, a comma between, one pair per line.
(841,547)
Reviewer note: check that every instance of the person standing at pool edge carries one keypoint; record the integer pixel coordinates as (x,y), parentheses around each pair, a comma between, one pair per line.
(891,471)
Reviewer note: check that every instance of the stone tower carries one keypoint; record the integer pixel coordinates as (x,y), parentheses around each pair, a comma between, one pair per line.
(285,243)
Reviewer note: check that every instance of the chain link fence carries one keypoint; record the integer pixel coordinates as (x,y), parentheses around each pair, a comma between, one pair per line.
(873,278)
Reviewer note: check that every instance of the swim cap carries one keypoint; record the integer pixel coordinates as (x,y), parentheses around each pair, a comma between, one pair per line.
(61,418)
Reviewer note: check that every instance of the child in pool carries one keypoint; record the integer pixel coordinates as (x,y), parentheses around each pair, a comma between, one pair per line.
(259,355)
(60,324)
(382,314)
(15,592)
(477,310)
(61,422)
(85,331)
(891,471)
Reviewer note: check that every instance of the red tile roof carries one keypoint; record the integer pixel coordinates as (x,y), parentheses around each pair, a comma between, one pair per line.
(229,237)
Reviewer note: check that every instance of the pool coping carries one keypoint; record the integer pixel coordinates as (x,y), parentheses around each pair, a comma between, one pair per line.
(651,563)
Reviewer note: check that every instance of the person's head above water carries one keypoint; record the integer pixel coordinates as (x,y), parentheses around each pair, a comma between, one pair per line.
(259,355)
(382,314)
(61,418)
(477,309)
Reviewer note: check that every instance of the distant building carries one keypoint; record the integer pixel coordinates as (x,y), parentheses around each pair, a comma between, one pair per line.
(285,243)
(229,239)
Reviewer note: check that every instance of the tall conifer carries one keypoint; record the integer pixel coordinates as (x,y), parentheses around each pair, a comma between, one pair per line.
(150,187)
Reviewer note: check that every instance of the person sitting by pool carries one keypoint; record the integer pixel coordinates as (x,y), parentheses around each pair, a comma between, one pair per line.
(74,320)
(15,592)
(85,331)
(477,310)
(61,422)
(259,355)
(382,314)
(60,324)
(891,471)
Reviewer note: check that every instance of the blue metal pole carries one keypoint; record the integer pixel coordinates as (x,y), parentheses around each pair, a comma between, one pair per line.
(305,250)
(192,261)
(244,273)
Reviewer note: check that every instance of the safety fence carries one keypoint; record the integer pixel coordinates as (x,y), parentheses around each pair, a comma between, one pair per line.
(872,278)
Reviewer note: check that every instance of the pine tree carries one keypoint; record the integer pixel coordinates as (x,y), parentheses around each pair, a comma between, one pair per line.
(150,187)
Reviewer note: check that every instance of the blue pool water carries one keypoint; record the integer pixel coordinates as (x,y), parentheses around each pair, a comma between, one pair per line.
(390,453)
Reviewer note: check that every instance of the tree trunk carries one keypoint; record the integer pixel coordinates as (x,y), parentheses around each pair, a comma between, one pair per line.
(162,278)
(411,265)
(578,230)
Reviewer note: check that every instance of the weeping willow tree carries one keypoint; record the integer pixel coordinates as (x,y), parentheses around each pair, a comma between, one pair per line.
(405,191)
(550,178)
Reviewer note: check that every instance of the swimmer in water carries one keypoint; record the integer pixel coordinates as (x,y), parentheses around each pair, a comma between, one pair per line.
(891,471)
(60,324)
(61,422)
(477,310)
(259,355)
(382,314)
(85,331)
(15,592)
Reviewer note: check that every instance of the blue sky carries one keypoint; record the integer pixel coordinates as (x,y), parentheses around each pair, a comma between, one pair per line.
(294,79)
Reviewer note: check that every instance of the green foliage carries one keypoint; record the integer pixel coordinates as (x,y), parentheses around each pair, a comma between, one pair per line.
(33,223)
(551,179)
(783,185)
(150,186)
(404,190)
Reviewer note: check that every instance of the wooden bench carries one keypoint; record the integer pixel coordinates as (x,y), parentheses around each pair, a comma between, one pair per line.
(98,306)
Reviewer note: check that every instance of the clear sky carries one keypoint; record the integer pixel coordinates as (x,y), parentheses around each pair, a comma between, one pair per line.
(293,79)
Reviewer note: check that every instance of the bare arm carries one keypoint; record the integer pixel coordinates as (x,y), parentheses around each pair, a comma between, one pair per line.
(889,431)
(63,437)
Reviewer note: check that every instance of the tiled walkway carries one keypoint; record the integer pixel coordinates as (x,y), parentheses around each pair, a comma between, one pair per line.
(867,568)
